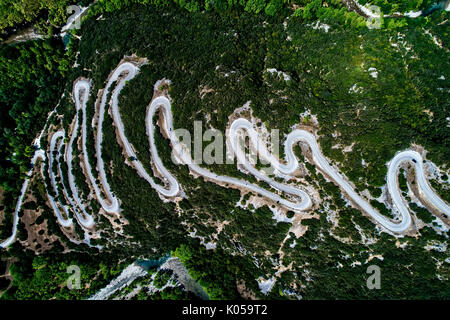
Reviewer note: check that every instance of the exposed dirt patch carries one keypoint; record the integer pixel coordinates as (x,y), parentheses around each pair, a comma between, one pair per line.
(38,238)
(244,291)
(204,90)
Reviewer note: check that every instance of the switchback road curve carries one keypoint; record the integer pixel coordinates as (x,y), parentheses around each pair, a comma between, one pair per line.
(171,188)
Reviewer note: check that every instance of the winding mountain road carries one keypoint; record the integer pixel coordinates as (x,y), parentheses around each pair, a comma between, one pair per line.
(288,168)
(85,219)
(171,188)
(292,165)
(131,71)
(82,89)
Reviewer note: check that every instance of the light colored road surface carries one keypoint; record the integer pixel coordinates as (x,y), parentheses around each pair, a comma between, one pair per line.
(260,147)
(424,188)
(84,218)
(292,165)
(184,155)
(323,164)
(65,222)
(126,71)
(134,271)
(82,89)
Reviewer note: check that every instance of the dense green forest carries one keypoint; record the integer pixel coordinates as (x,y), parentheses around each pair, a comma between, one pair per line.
(31,82)
(45,277)
(228,46)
